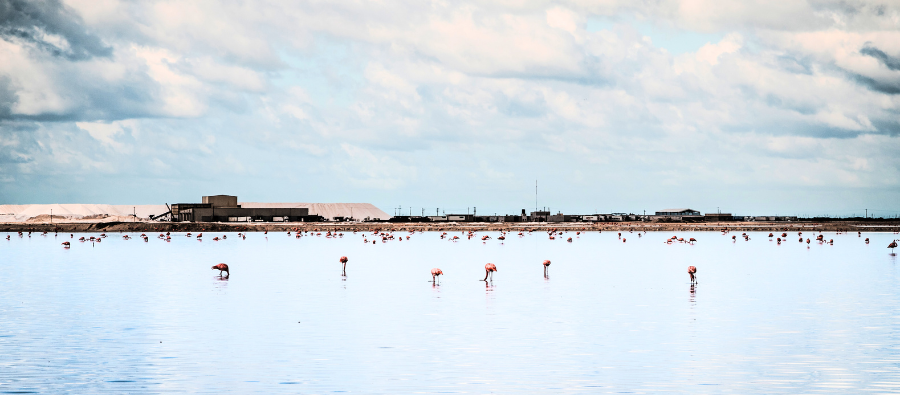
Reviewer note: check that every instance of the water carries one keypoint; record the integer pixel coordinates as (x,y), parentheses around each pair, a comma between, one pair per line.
(125,316)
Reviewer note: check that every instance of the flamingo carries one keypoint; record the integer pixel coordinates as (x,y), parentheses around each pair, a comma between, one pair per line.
(489,270)
(692,240)
(66,244)
(344,262)
(892,246)
(434,274)
(546,266)
(692,271)
(222,268)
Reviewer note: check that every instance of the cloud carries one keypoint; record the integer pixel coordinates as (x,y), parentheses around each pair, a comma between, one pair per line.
(49,26)
(892,63)
(465,101)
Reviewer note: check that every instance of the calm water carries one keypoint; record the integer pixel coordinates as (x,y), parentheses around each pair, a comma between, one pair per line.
(135,317)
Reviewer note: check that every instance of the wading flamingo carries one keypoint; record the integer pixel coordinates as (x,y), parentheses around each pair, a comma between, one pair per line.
(692,271)
(489,270)
(892,246)
(222,268)
(546,266)
(344,262)
(434,274)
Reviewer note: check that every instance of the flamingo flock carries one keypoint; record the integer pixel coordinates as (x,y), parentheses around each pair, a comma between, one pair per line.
(436,273)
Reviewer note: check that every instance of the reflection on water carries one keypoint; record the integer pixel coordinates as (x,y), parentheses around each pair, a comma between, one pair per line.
(129,316)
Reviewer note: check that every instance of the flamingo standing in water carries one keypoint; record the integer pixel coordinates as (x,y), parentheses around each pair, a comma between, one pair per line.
(222,268)
(892,246)
(434,274)
(489,270)
(344,262)
(692,271)
(546,266)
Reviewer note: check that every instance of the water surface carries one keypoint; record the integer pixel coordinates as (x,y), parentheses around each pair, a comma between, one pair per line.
(128,316)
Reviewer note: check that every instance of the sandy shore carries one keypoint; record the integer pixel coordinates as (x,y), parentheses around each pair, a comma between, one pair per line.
(84,227)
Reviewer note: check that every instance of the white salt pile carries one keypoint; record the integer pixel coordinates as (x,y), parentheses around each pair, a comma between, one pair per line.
(79,212)
(40,213)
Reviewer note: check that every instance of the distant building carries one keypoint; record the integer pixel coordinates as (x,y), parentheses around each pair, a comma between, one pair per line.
(224,208)
(718,217)
(539,216)
(680,212)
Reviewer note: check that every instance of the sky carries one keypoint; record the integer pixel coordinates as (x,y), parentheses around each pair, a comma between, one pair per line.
(777,107)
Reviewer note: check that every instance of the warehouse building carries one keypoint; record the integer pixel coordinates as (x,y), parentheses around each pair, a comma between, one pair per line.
(225,208)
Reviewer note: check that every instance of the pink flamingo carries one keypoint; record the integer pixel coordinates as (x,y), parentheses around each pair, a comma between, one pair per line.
(344,262)
(546,266)
(489,270)
(892,246)
(222,268)
(66,244)
(692,271)
(434,274)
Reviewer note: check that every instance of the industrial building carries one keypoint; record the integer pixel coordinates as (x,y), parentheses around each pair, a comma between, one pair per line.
(224,208)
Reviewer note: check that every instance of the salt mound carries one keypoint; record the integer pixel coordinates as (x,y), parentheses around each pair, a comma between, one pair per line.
(40,213)
(96,212)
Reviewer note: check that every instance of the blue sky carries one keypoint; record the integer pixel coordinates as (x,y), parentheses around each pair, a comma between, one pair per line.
(764,107)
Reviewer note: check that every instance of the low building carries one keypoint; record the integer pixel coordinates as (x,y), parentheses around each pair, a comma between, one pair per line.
(560,218)
(679,212)
(539,216)
(718,217)
(237,214)
(225,208)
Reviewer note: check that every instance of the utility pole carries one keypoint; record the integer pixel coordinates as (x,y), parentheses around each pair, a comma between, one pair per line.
(51,216)
(134,214)
(535,195)
(867,214)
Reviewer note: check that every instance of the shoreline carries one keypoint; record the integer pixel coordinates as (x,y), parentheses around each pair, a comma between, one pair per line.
(92,227)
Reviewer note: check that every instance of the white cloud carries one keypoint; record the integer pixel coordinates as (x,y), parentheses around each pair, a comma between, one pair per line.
(378,95)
